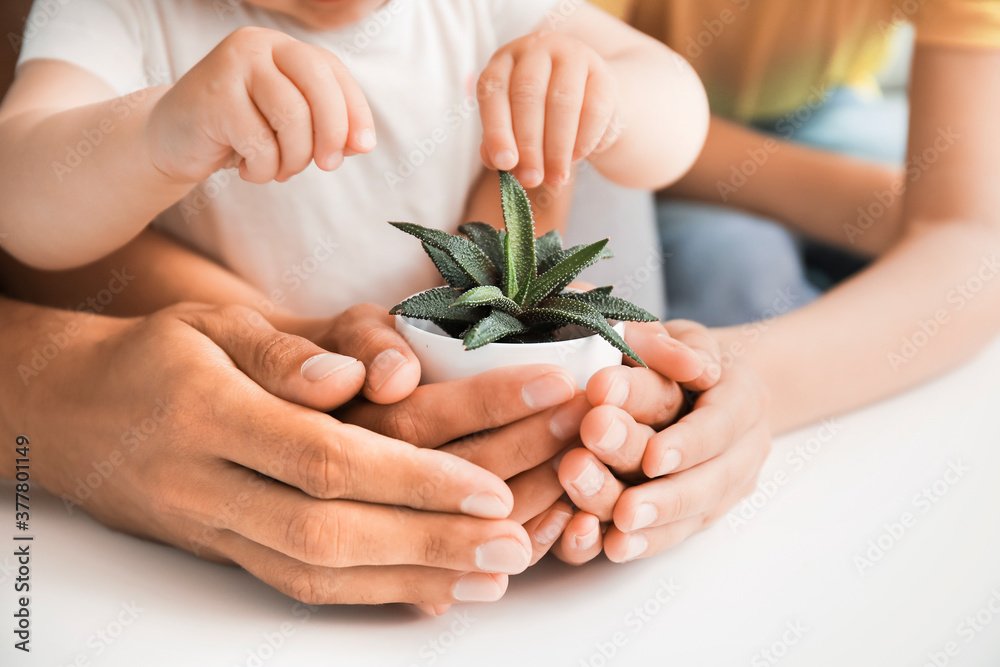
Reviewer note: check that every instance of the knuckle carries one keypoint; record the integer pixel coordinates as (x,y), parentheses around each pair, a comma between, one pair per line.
(304,585)
(312,536)
(527,93)
(435,549)
(276,351)
(402,424)
(490,83)
(678,507)
(322,470)
(563,99)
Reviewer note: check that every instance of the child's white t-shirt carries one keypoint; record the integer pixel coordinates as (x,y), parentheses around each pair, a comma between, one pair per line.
(320,242)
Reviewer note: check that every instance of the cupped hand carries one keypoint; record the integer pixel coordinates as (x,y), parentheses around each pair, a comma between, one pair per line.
(196,415)
(262,101)
(680,476)
(512,422)
(546,100)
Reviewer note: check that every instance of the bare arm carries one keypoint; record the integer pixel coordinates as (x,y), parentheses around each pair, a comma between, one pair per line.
(663,112)
(932,301)
(817,192)
(76,142)
(590,87)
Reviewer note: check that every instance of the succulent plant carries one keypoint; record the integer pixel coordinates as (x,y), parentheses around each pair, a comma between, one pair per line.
(507,286)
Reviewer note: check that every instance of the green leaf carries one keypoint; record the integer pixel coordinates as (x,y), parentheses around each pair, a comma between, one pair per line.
(449,270)
(510,283)
(492,328)
(562,274)
(563,254)
(453,329)
(488,295)
(466,254)
(546,247)
(612,307)
(571,311)
(488,240)
(435,304)
(520,226)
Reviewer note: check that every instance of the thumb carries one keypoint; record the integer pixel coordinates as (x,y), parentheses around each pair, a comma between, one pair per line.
(287,366)
(367,332)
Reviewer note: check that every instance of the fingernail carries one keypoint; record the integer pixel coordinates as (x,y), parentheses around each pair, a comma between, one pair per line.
(532,177)
(548,390)
(645,515)
(476,587)
(333,160)
(565,422)
(668,463)
(505,160)
(502,555)
(383,366)
(637,545)
(588,540)
(590,480)
(485,506)
(617,392)
(324,365)
(366,139)
(552,527)
(613,438)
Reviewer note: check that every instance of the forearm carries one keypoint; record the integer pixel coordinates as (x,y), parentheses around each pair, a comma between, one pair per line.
(95,155)
(889,328)
(843,201)
(151,272)
(663,120)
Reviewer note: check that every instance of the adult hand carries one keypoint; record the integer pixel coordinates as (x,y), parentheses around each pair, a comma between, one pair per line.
(193,410)
(511,421)
(687,473)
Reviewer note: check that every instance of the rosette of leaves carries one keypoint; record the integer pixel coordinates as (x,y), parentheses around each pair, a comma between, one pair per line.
(507,286)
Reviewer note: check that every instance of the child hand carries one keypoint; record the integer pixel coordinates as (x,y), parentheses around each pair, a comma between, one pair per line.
(546,101)
(265,102)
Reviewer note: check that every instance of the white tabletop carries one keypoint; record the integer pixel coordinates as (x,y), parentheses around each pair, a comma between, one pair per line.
(814,577)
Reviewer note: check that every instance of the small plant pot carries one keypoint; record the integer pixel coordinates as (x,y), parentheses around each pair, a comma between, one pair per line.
(443,358)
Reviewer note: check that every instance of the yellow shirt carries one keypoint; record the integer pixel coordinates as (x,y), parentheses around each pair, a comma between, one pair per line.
(762,59)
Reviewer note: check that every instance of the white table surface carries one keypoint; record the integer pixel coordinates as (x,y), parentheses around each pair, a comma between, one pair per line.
(793,565)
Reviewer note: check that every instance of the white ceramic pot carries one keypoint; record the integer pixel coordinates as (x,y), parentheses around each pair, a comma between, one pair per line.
(443,358)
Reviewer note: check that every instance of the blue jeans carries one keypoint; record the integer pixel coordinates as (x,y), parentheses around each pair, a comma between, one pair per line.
(725,266)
